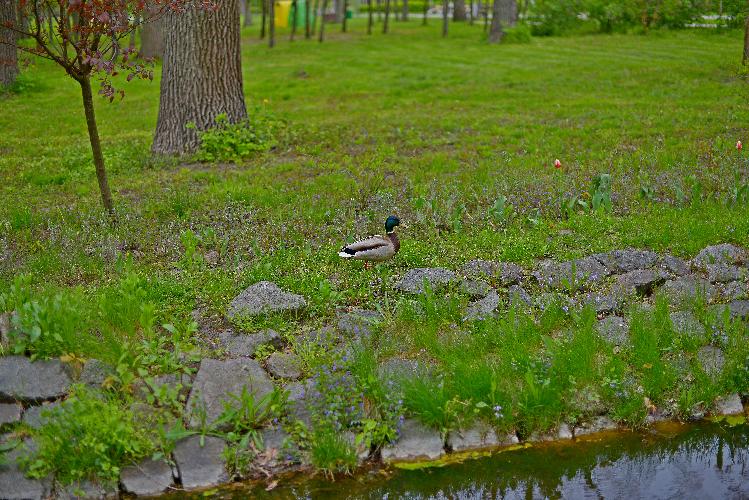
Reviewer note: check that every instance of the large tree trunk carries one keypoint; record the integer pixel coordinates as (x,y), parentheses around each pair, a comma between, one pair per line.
(404,11)
(496,32)
(152,36)
(93,136)
(508,12)
(201,76)
(8,51)
(459,10)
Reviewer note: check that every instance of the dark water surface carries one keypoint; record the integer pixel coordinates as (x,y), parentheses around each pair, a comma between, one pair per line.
(700,461)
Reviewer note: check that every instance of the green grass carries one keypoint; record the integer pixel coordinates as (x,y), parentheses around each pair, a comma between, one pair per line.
(456,137)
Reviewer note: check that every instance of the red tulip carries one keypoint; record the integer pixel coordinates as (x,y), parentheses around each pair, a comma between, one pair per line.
(739,146)
(557,163)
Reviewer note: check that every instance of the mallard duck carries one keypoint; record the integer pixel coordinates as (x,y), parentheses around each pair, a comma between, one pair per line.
(377,248)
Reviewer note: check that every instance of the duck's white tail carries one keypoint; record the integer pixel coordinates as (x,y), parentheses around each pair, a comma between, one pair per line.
(345,255)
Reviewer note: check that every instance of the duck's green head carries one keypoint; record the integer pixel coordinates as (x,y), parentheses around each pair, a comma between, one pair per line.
(391,222)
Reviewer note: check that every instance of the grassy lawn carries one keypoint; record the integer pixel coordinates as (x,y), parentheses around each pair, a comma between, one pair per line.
(456,137)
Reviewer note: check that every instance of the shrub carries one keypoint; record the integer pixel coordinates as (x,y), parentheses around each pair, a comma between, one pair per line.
(518,34)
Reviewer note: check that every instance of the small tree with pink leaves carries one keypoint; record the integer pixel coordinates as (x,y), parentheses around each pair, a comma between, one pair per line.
(86,44)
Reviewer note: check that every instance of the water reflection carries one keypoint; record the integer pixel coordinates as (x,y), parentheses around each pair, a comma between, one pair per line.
(702,461)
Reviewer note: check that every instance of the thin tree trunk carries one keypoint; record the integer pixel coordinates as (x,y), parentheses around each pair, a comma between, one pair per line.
(263,17)
(307,27)
(93,136)
(396,10)
(322,20)
(345,16)
(201,76)
(387,16)
(486,15)
(370,22)
(426,11)
(459,10)
(745,59)
(294,7)
(271,23)
(247,13)
(445,16)
(496,33)
(337,10)
(470,12)
(316,14)
(8,51)
(379,10)
(404,12)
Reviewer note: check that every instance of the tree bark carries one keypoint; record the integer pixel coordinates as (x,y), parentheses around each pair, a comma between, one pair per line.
(294,14)
(404,11)
(426,11)
(508,12)
(386,26)
(496,32)
(93,136)
(8,51)
(338,10)
(459,10)
(271,23)
(445,16)
(247,13)
(201,77)
(470,12)
(152,37)
(344,22)
(264,17)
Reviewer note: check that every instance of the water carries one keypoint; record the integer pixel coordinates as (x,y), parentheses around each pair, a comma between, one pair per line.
(700,461)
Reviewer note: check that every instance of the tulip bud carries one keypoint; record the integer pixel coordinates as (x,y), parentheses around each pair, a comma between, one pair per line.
(557,163)
(739,146)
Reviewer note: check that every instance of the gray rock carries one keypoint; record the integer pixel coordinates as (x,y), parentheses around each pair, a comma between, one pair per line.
(241,345)
(475,288)
(479,268)
(413,281)
(480,436)
(510,274)
(359,323)
(729,405)
(563,432)
(201,466)
(13,483)
(601,303)
(686,323)
(712,360)
(739,309)
(719,254)
(724,273)
(675,265)
(416,442)
(277,448)
(10,413)
(300,400)
(95,372)
(86,490)
(5,329)
(217,380)
(148,478)
(734,290)
(560,276)
(284,365)
(598,424)
(614,329)
(483,308)
(22,380)
(518,295)
(264,297)
(36,416)
(624,261)
(641,282)
(684,290)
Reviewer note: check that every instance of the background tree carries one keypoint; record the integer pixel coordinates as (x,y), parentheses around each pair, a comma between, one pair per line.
(370,20)
(745,59)
(508,12)
(201,77)
(404,11)
(247,12)
(271,23)
(386,24)
(345,16)
(426,11)
(307,32)
(8,49)
(87,42)
(445,16)
(496,32)
(152,37)
(263,17)
(459,10)
(322,20)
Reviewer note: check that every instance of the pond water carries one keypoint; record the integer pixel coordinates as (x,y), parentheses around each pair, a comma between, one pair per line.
(701,461)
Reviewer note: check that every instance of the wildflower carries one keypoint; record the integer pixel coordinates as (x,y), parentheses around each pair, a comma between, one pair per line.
(557,163)
(739,146)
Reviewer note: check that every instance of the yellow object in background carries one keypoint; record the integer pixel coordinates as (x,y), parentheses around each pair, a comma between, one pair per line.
(281,13)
